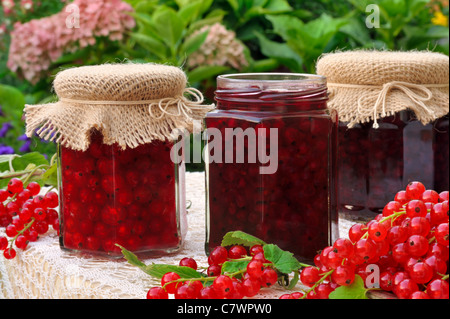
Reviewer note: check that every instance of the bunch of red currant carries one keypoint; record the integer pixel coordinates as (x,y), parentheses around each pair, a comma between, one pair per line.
(407,244)
(25,214)
(246,282)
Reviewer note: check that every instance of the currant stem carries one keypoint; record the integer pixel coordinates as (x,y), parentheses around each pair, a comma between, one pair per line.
(20,232)
(324,276)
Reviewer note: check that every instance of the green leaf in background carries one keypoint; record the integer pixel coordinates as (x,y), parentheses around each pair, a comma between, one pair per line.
(206,72)
(281,52)
(282,260)
(240,238)
(25,164)
(355,291)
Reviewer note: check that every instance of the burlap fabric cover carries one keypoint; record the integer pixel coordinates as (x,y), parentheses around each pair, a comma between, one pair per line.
(368,85)
(131,104)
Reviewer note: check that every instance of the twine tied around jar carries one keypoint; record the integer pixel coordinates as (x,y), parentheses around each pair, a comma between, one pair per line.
(418,105)
(130,104)
(368,85)
(184,105)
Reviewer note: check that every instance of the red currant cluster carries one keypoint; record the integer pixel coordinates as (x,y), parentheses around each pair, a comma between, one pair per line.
(25,214)
(217,284)
(407,242)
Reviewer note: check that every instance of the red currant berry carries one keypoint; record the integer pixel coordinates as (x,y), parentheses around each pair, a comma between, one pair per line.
(377,232)
(223,285)
(343,275)
(419,295)
(309,276)
(157,293)
(256,249)
(185,292)
(365,249)
(401,197)
(416,208)
(416,245)
(269,277)
(430,196)
(444,196)
(441,234)
(218,256)
(11,230)
(356,232)
(188,262)
(420,272)
(236,252)
(419,226)
(255,269)
(251,287)
(214,270)
(405,289)
(9,253)
(168,285)
(51,199)
(207,293)
(391,208)
(34,188)
(397,235)
(4,194)
(343,247)
(438,289)
(21,242)
(3,242)
(15,186)
(414,190)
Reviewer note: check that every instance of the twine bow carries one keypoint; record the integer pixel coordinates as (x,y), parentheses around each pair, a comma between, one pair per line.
(407,88)
(417,93)
(184,105)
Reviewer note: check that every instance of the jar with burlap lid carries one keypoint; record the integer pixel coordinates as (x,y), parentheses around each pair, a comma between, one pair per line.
(120,183)
(393,111)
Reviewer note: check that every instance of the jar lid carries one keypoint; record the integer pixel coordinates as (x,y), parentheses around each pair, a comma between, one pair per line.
(131,104)
(367,85)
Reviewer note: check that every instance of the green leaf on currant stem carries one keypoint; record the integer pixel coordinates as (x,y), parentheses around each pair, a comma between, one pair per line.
(158,270)
(354,291)
(230,266)
(282,260)
(240,238)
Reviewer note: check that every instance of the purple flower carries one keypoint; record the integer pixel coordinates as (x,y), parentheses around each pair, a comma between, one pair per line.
(5,128)
(5,149)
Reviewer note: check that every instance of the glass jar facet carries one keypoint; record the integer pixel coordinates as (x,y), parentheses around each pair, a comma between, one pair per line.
(374,164)
(130,197)
(294,202)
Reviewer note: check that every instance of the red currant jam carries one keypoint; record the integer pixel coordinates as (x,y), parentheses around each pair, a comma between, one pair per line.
(288,196)
(112,196)
(375,163)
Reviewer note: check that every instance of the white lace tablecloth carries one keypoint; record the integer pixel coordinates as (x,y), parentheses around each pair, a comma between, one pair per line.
(44,271)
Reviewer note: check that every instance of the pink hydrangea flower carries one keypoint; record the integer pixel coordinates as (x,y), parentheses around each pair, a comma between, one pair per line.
(221,47)
(35,45)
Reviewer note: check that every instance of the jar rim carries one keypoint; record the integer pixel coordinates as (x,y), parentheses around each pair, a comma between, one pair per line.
(275,78)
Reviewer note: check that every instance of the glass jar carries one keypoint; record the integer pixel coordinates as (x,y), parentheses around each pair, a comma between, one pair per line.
(132,197)
(374,164)
(271,162)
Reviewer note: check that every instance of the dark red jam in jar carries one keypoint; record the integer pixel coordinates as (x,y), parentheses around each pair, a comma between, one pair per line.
(129,197)
(374,164)
(271,162)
